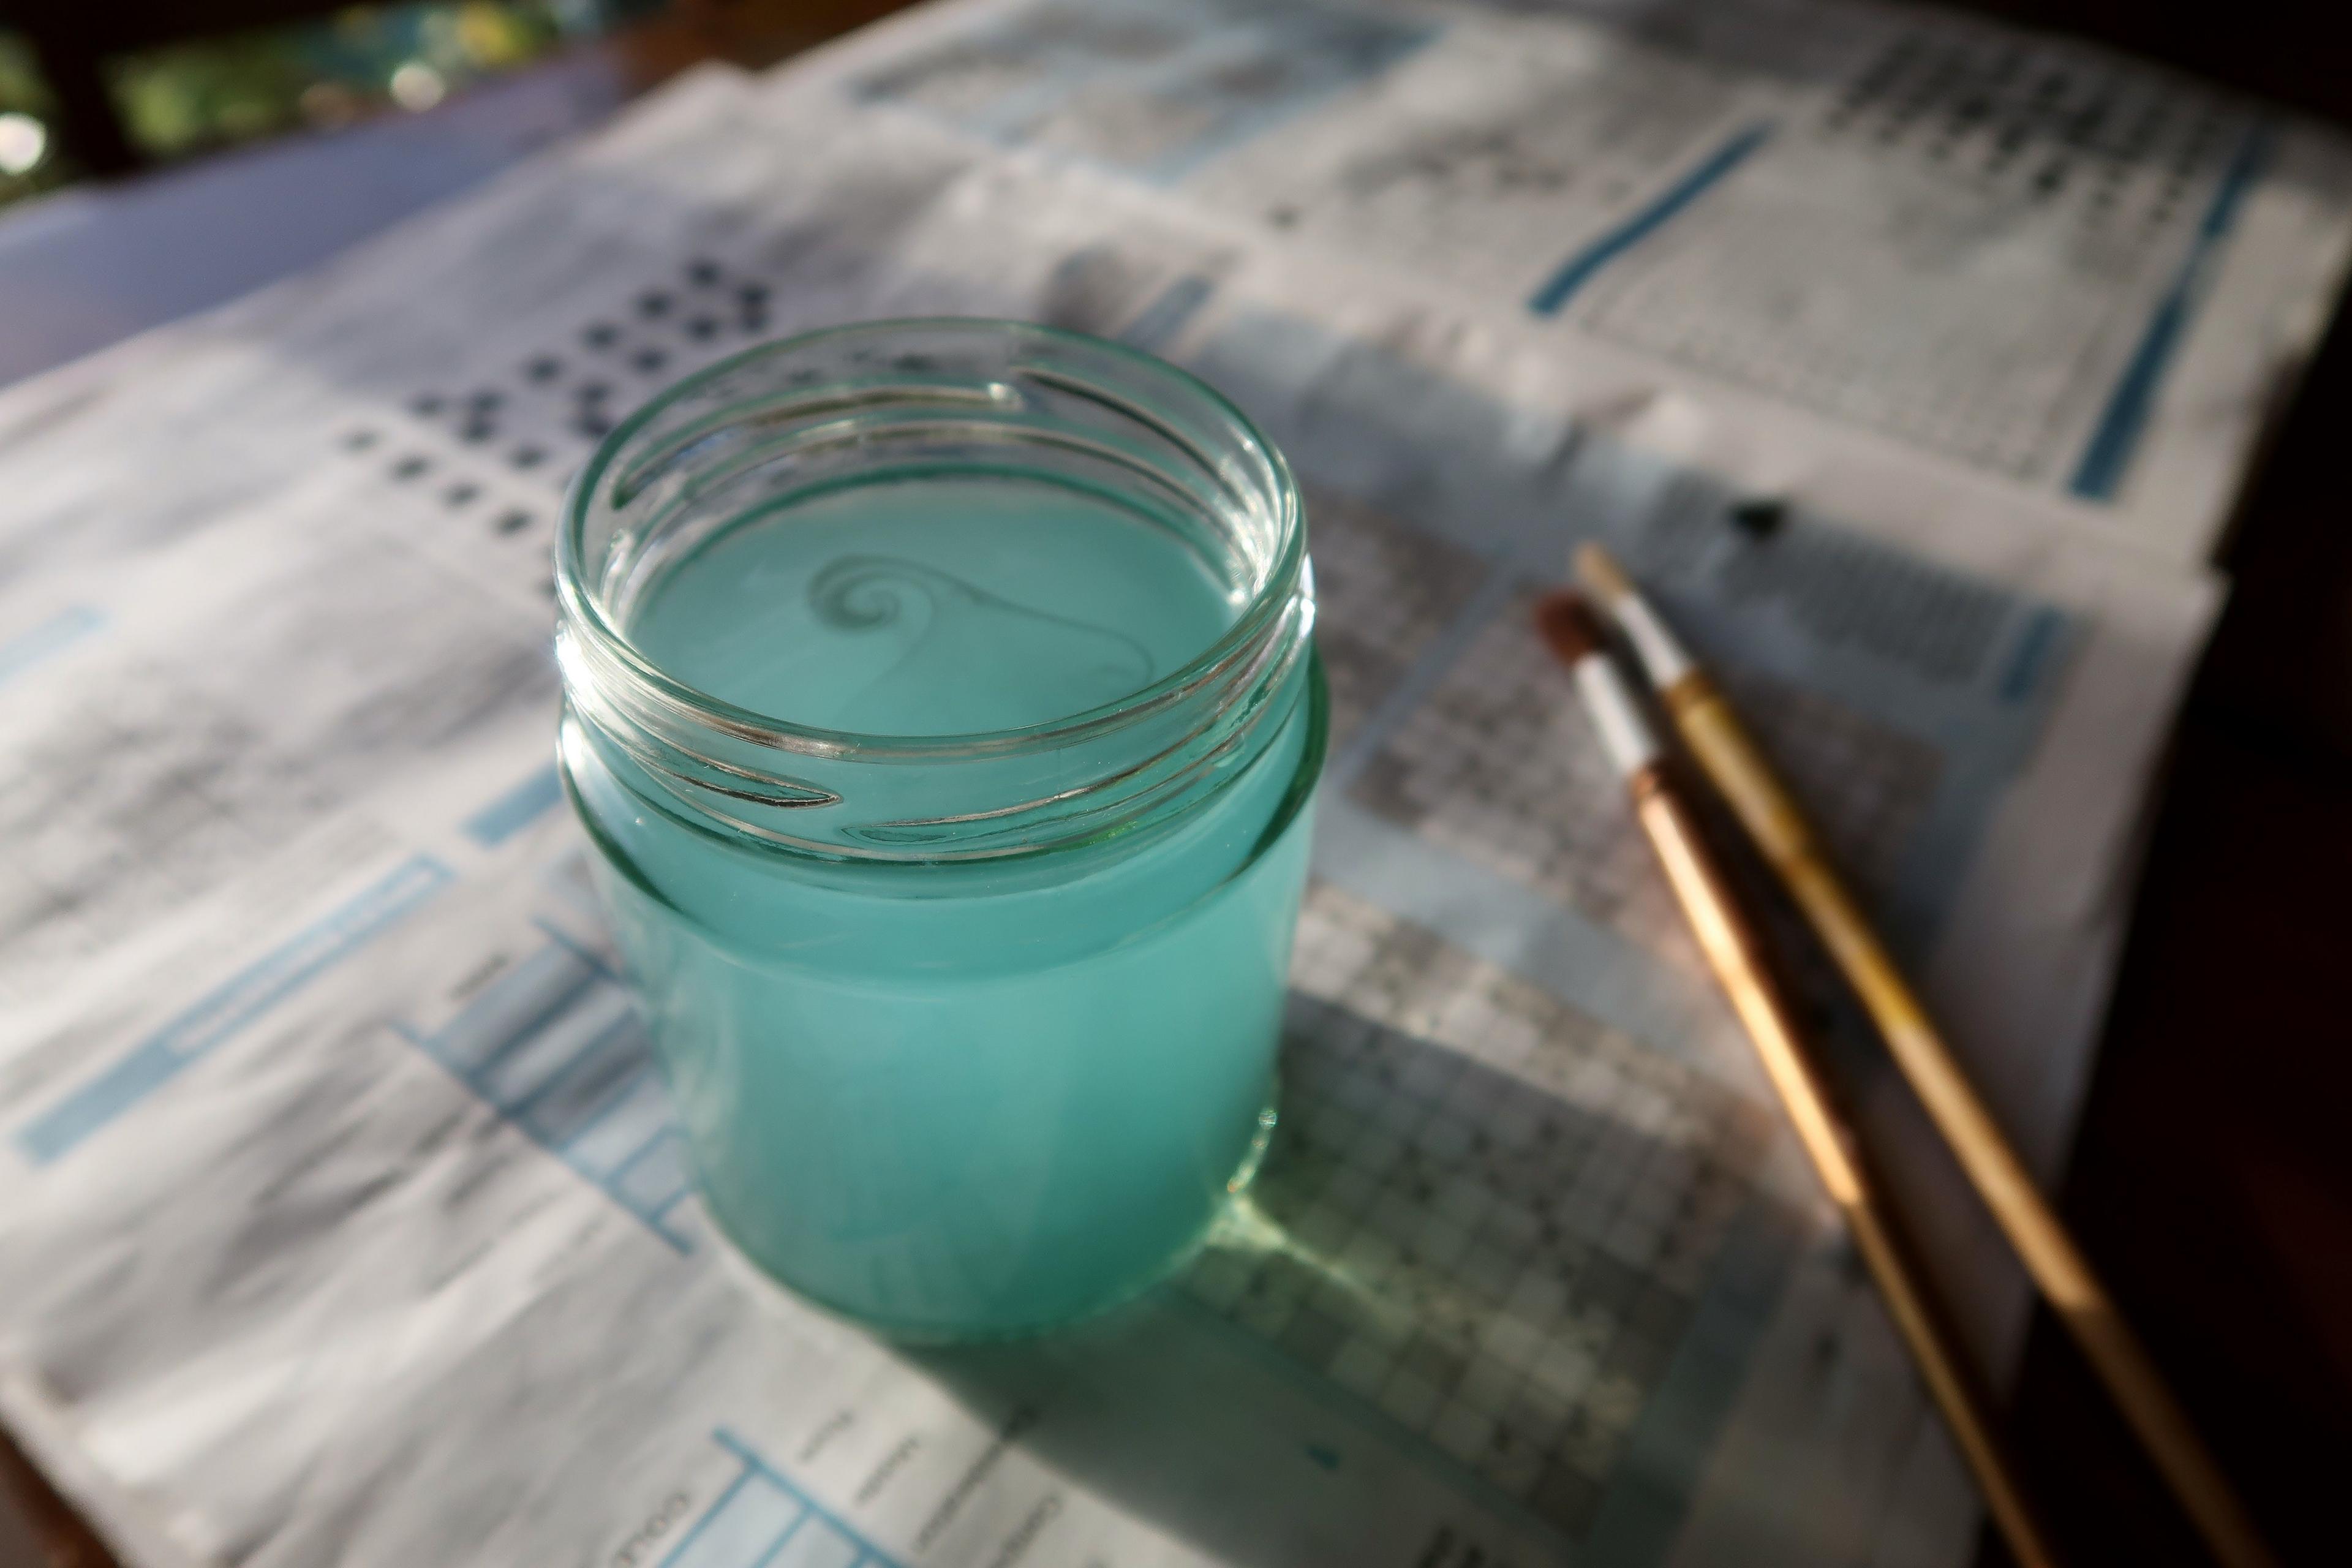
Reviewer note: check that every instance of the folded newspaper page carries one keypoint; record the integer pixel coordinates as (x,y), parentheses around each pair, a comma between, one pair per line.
(1828,248)
(339,1210)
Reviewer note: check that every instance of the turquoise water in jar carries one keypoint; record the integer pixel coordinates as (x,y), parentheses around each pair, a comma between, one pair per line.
(977,1095)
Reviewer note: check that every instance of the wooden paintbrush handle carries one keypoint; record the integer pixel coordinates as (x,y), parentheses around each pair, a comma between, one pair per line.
(1733,952)
(2064,1275)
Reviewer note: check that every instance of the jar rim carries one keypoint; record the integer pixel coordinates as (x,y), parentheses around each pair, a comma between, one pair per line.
(1268,603)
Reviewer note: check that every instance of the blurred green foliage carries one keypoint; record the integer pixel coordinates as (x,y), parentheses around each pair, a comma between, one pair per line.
(194,96)
(214,92)
(21,86)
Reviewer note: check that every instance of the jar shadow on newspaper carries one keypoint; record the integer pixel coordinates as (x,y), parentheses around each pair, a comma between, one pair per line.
(1450,1283)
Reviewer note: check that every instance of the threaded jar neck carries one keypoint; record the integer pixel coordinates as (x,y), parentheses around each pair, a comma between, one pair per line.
(793,422)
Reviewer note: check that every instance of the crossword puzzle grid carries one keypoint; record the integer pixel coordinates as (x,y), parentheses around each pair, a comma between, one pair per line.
(1501,764)
(1717,302)
(1383,594)
(1980,141)
(1495,1214)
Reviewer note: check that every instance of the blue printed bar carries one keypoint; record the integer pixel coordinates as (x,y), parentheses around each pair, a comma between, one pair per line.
(225,1010)
(509,1008)
(532,1064)
(52,636)
(654,1180)
(762,1520)
(516,810)
(637,1116)
(746,1525)
(1580,269)
(815,1544)
(2116,436)
(554,1045)
(588,1087)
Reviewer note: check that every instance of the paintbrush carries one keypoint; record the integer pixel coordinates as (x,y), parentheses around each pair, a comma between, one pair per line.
(1732,763)
(1735,950)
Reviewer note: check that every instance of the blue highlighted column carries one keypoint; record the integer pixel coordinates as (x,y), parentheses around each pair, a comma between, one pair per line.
(1162,320)
(52,636)
(2116,436)
(1580,269)
(516,810)
(555,1046)
(762,1520)
(228,1008)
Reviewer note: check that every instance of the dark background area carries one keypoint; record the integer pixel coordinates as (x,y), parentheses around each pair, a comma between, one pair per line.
(2211,1180)
(2212,1175)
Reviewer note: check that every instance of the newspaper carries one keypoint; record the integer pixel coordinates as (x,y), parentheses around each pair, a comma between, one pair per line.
(1839,252)
(340,1212)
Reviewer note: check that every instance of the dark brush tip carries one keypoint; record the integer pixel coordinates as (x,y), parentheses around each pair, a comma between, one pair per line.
(1568,626)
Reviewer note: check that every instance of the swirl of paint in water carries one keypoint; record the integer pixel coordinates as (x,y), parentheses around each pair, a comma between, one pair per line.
(995,663)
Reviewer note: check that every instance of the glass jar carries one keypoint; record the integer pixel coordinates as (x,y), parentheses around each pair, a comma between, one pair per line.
(968,1004)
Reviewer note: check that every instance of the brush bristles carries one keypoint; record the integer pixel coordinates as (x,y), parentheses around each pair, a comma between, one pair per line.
(1568,626)
(1601,574)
